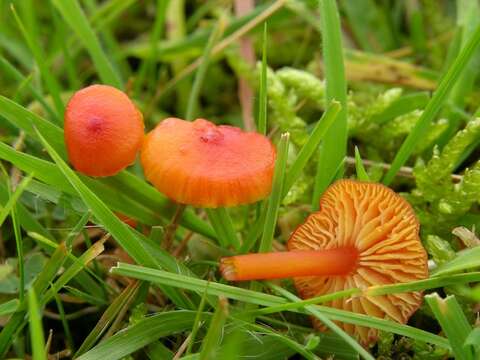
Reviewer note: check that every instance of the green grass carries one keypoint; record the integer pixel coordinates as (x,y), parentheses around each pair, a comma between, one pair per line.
(343,89)
(333,148)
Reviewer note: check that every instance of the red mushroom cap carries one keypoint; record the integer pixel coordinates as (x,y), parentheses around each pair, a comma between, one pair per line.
(103,130)
(201,164)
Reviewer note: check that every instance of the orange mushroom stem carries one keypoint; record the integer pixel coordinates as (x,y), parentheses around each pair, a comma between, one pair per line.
(277,265)
(363,235)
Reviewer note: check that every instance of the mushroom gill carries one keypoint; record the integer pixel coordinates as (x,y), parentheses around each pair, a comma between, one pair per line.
(382,226)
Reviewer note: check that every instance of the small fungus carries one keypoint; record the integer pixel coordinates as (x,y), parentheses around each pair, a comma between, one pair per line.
(363,235)
(103,130)
(199,163)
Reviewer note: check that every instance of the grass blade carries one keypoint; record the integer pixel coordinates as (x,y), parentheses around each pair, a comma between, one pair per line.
(202,70)
(262,103)
(27,120)
(14,198)
(107,318)
(327,322)
(420,285)
(275,198)
(112,223)
(8,68)
(75,17)
(334,147)
(401,106)
(141,334)
(223,225)
(454,323)
(213,338)
(36,328)
(311,146)
(50,81)
(258,298)
(466,259)
(198,285)
(9,307)
(362,174)
(433,106)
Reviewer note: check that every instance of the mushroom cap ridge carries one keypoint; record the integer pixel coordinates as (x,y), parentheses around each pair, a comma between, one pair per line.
(199,163)
(383,227)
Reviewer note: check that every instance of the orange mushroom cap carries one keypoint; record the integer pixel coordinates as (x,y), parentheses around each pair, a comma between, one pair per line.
(103,130)
(382,226)
(201,164)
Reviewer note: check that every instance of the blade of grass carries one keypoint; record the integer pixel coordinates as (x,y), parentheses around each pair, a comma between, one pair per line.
(50,270)
(362,174)
(334,147)
(190,283)
(84,280)
(87,298)
(256,229)
(216,34)
(327,322)
(275,198)
(141,334)
(311,146)
(95,250)
(454,323)
(466,259)
(433,107)
(302,303)
(254,297)
(112,223)
(474,338)
(10,70)
(147,69)
(107,318)
(212,340)
(19,320)
(223,225)
(66,327)
(420,285)
(4,211)
(36,328)
(75,17)
(9,307)
(196,323)
(27,221)
(8,331)
(26,120)
(401,106)
(20,258)
(76,230)
(262,102)
(37,52)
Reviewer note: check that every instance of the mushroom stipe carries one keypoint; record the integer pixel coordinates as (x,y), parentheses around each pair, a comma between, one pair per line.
(363,235)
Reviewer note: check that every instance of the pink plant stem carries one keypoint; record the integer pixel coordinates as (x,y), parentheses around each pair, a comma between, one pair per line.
(245,92)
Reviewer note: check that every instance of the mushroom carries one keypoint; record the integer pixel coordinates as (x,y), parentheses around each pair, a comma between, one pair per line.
(363,235)
(199,163)
(103,130)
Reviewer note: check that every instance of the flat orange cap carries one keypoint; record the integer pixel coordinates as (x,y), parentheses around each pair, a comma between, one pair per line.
(201,164)
(103,130)
(383,228)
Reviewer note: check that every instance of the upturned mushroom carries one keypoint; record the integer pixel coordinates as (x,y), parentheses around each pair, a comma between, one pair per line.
(103,130)
(363,235)
(201,164)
